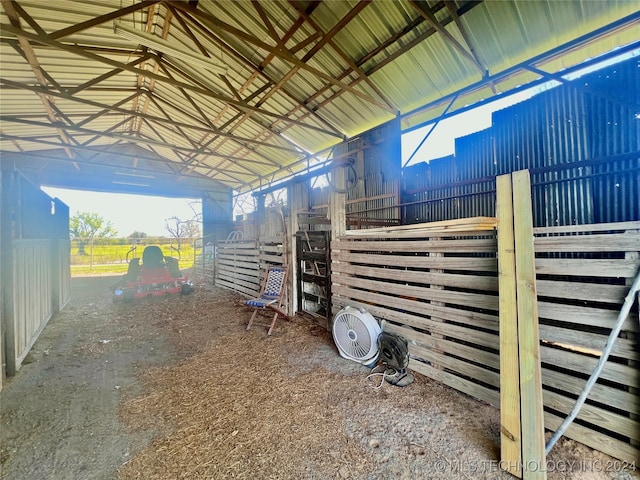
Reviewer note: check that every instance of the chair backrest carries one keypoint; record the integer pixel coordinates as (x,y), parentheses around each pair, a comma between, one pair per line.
(152,257)
(274,283)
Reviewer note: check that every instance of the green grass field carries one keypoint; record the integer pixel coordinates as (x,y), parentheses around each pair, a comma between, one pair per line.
(112,258)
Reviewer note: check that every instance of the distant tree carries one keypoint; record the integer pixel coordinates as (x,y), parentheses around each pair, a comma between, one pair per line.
(137,234)
(85,226)
(181,229)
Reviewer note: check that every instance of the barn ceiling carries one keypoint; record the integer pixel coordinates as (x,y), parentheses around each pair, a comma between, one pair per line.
(238,94)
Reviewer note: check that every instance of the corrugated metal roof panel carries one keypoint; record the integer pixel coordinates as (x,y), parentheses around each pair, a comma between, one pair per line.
(386,58)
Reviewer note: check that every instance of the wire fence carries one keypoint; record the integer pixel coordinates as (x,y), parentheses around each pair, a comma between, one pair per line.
(112,255)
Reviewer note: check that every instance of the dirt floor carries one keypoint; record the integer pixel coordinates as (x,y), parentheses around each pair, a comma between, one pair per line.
(176,388)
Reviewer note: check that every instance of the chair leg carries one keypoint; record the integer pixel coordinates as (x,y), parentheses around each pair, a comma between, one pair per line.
(255,312)
(273,323)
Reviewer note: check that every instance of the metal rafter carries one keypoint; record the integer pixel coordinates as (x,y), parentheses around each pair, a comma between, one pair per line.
(47,103)
(327,38)
(279,52)
(175,83)
(424,10)
(259,70)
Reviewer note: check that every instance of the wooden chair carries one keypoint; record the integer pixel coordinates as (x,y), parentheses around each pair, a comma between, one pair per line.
(273,296)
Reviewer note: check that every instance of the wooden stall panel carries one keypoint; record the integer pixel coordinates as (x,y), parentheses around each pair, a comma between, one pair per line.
(436,285)
(583,275)
(240,265)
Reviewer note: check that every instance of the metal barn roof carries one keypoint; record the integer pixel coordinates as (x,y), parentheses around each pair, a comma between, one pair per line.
(114,94)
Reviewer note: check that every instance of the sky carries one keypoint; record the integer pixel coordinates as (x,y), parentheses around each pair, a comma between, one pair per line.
(127,213)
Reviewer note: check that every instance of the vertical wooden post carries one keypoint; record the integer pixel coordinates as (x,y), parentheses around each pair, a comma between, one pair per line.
(510,440)
(337,205)
(633,363)
(531,402)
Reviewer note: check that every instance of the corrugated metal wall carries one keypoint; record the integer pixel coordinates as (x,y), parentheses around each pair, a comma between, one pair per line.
(373,198)
(580,141)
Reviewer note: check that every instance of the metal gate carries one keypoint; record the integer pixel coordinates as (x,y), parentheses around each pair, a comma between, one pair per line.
(314,275)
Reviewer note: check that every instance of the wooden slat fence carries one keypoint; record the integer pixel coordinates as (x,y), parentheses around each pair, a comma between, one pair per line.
(240,265)
(32,303)
(583,274)
(436,284)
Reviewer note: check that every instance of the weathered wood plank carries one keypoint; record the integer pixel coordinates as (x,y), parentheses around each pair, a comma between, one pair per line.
(463,368)
(591,342)
(582,291)
(582,267)
(481,392)
(597,416)
(448,329)
(615,372)
(278,259)
(445,263)
(471,282)
(595,227)
(231,275)
(595,440)
(477,300)
(621,400)
(237,288)
(467,352)
(434,228)
(239,284)
(479,245)
(619,242)
(238,264)
(579,315)
(342,297)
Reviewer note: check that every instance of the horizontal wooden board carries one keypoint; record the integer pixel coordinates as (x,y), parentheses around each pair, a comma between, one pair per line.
(579,315)
(442,263)
(481,392)
(616,372)
(607,420)
(277,259)
(589,341)
(595,227)
(610,446)
(240,284)
(237,288)
(277,239)
(465,317)
(238,251)
(588,292)
(447,346)
(443,227)
(476,300)
(434,326)
(581,267)
(231,275)
(237,263)
(479,245)
(244,244)
(471,282)
(621,242)
(272,249)
(613,397)
(465,369)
